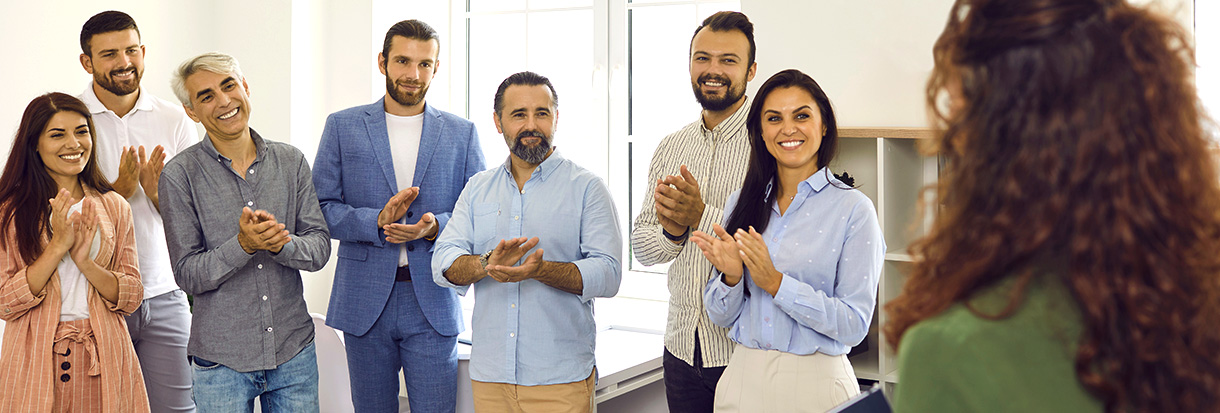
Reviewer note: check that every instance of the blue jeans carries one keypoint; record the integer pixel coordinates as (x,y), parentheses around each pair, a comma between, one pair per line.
(290,387)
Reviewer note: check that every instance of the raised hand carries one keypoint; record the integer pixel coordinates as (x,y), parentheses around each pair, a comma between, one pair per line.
(62,236)
(129,172)
(722,251)
(399,233)
(397,206)
(678,202)
(84,226)
(260,231)
(150,171)
(757,259)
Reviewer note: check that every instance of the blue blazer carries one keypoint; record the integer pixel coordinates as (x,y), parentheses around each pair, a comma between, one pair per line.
(354,177)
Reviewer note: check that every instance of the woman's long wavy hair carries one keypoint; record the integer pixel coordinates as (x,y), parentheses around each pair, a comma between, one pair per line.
(1073,131)
(26,186)
(754,204)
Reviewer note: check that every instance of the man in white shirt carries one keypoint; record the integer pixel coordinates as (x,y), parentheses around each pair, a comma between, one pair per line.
(136,133)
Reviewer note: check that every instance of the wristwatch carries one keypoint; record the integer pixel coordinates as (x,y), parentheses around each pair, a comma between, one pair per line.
(483,259)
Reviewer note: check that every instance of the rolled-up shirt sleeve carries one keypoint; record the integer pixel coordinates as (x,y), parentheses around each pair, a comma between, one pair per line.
(600,243)
(454,242)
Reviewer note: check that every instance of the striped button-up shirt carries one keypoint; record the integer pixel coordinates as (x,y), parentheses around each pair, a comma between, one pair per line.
(717,158)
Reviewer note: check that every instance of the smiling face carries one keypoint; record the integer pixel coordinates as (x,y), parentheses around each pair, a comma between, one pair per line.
(408,73)
(719,69)
(116,61)
(221,102)
(792,129)
(64,145)
(528,122)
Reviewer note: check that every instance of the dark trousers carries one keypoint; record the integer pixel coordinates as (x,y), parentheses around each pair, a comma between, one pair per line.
(690,388)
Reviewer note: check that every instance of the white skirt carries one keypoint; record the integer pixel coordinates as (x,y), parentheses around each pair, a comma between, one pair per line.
(768,381)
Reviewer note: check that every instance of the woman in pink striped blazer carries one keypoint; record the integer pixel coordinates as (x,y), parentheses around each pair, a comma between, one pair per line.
(67,271)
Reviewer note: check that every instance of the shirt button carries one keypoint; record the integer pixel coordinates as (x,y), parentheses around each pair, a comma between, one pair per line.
(251,171)
(260,266)
(516,217)
(269,329)
(512,334)
(410,214)
(264,298)
(513,305)
(249,203)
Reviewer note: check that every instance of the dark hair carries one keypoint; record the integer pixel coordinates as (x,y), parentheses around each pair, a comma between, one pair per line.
(104,22)
(26,186)
(525,79)
(754,204)
(727,21)
(411,29)
(1075,139)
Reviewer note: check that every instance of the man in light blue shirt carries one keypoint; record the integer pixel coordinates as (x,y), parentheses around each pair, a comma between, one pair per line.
(534,332)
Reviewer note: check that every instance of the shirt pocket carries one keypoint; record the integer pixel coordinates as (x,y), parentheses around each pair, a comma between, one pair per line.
(485,217)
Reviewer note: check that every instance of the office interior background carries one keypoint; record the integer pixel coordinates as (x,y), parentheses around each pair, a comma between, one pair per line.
(619,67)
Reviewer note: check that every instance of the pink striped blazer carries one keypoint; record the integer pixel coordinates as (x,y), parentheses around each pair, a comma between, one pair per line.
(26,361)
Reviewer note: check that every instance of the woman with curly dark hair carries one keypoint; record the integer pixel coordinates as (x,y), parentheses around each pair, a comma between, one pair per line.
(1074,264)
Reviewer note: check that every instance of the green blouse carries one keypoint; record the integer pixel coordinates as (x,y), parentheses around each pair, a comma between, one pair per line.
(960,362)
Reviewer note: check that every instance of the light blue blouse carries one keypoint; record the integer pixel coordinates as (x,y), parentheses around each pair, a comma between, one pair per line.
(830,250)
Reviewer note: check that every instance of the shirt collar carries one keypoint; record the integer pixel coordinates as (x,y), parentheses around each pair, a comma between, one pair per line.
(260,147)
(544,169)
(814,183)
(95,106)
(733,122)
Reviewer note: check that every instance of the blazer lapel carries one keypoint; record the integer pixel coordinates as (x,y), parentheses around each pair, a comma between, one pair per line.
(379,139)
(428,142)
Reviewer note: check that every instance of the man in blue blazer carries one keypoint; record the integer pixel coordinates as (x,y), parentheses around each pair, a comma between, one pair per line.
(387,176)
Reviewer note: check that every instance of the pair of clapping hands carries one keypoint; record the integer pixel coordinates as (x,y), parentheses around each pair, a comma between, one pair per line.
(680,206)
(73,233)
(138,167)
(259,231)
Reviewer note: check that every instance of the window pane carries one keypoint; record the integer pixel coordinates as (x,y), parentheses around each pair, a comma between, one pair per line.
(561,48)
(660,95)
(481,6)
(557,4)
(496,43)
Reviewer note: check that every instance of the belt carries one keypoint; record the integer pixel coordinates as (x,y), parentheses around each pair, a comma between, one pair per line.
(403,274)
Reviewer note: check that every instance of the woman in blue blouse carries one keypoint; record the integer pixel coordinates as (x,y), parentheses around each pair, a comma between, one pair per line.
(796,263)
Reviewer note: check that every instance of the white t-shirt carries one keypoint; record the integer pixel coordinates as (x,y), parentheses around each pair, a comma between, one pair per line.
(73,286)
(405,133)
(152,122)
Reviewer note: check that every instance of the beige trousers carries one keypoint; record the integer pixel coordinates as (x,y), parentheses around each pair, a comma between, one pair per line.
(576,397)
(766,381)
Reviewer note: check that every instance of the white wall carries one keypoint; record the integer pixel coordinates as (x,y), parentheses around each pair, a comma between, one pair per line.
(872,58)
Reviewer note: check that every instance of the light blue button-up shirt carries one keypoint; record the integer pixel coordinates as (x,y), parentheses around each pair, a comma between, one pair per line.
(529,333)
(829,247)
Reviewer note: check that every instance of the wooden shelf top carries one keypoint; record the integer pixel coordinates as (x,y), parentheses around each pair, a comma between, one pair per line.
(902,133)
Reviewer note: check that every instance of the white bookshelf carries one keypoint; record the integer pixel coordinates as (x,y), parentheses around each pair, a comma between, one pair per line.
(889,169)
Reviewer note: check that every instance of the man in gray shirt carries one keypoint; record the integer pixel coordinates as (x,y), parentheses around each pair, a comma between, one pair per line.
(242,220)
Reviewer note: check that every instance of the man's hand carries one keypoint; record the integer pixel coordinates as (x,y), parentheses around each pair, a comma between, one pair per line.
(678,202)
(501,265)
(150,172)
(129,172)
(399,233)
(397,206)
(260,231)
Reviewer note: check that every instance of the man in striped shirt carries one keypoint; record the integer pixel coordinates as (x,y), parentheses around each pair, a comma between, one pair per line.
(695,170)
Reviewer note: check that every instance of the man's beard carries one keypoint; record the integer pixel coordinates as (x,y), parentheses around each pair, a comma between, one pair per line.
(531,154)
(714,104)
(106,81)
(405,98)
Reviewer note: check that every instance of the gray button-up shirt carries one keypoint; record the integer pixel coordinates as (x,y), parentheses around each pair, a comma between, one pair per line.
(249,310)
